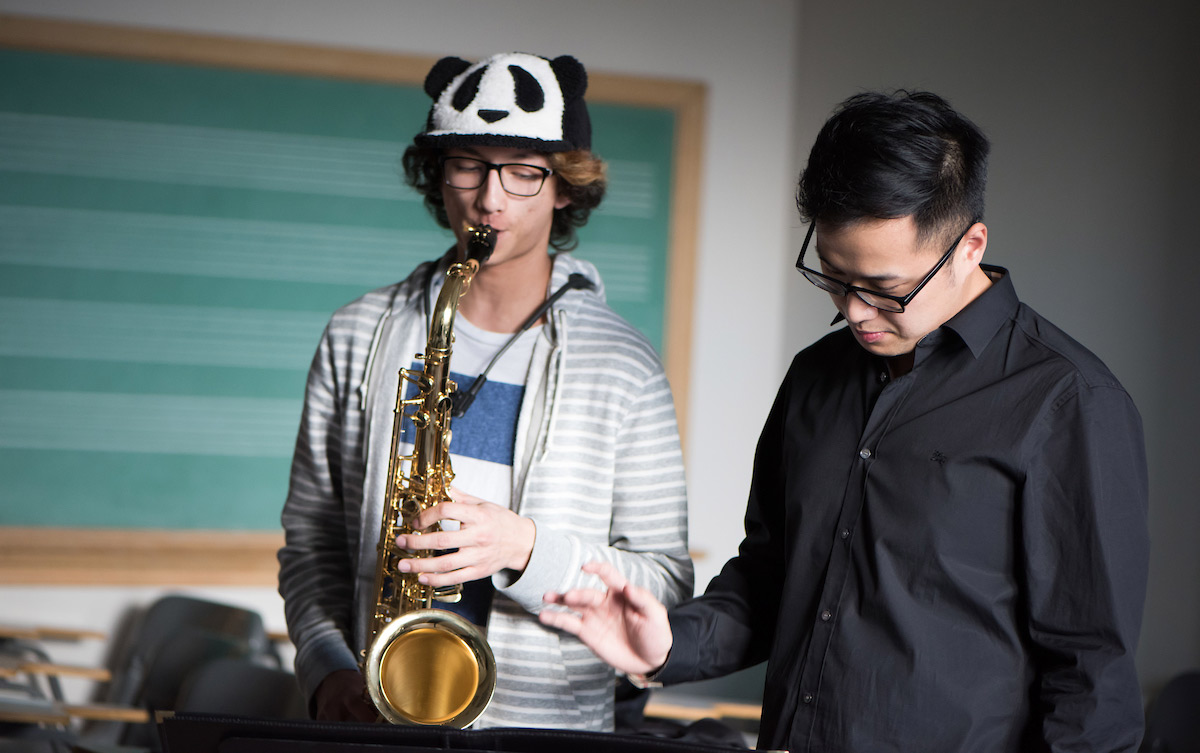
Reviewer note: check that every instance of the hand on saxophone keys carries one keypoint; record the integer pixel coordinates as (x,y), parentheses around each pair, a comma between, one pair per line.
(490,538)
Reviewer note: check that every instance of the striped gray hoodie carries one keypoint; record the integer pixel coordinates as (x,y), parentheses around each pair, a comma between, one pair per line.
(597,465)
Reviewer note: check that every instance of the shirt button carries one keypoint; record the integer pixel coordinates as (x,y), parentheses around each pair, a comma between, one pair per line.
(826,616)
(864,453)
(807,698)
(883,377)
(845,533)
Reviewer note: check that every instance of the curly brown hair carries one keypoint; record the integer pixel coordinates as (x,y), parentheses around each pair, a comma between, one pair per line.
(581,178)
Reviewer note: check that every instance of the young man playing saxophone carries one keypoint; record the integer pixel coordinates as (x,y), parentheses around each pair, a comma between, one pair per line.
(946,539)
(569,453)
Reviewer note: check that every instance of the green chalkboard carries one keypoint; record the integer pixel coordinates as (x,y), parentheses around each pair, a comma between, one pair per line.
(173,238)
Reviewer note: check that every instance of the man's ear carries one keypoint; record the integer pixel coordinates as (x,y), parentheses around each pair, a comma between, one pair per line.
(974,243)
(560,196)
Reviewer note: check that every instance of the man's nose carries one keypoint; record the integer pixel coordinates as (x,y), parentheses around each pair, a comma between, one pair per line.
(858,310)
(491,196)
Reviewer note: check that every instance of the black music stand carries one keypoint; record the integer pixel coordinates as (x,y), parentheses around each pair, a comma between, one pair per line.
(212,733)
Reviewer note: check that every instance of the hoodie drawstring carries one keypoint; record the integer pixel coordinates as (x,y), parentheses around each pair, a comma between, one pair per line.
(557,365)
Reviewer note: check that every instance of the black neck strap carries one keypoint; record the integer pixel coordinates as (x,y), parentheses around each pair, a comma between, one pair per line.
(462,400)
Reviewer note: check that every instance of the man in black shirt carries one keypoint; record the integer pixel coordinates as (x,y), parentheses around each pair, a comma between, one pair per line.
(946,539)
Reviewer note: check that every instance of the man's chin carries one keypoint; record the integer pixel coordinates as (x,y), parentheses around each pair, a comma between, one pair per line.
(887,346)
(875,342)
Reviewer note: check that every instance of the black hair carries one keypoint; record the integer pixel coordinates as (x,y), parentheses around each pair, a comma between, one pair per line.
(580,174)
(886,156)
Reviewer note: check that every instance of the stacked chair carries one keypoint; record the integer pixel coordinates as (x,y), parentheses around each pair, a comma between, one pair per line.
(198,655)
(180,653)
(34,713)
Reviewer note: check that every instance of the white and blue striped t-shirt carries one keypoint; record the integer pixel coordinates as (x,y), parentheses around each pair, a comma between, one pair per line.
(482,439)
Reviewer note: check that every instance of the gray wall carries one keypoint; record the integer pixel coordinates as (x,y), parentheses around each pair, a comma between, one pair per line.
(1091,108)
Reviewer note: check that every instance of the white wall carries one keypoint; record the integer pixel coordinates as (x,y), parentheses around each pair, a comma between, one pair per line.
(742,51)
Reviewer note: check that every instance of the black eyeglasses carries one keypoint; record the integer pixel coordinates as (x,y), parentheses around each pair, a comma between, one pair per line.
(882,301)
(515,178)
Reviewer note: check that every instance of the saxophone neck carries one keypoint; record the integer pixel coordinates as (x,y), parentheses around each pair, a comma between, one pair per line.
(481,241)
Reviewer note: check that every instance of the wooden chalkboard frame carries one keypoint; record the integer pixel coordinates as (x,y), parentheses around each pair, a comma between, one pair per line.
(161,557)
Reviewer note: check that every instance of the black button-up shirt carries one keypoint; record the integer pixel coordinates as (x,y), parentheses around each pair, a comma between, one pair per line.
(953,561)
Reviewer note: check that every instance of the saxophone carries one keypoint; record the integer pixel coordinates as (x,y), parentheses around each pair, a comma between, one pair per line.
(425,665)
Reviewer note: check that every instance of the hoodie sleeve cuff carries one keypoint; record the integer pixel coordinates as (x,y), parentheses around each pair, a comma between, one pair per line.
(318,660)
(553,555)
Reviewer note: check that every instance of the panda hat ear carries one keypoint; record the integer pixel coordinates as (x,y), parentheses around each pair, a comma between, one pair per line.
(512,99)
(572,78)
(442,73)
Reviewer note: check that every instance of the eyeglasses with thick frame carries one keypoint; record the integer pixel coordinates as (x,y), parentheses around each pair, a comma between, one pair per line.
(891,303)
(469,172)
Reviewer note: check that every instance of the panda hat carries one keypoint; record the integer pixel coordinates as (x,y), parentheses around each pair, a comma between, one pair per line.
(513,99)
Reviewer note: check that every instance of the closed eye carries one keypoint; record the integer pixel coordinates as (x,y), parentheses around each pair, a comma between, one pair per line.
(523,172)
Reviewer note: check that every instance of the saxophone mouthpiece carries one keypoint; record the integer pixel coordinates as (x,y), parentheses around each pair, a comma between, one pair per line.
(481,241)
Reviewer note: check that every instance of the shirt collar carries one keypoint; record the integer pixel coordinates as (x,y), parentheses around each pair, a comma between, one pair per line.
(983,317)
